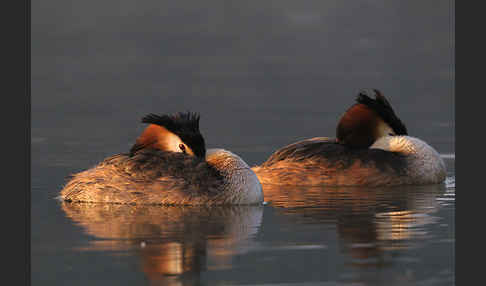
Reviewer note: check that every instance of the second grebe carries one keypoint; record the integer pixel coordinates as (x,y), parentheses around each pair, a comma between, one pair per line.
(371,149)
(168,164)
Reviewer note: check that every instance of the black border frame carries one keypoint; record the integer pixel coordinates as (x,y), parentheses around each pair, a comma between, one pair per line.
(16,118)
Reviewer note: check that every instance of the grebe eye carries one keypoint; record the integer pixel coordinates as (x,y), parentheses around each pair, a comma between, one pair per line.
(182,147)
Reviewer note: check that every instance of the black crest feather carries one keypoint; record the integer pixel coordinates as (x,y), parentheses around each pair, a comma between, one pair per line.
(384,109)
(185,125)
(178,122)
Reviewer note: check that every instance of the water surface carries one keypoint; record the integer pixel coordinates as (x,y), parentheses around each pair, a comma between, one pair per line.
(302,235)
(262,75)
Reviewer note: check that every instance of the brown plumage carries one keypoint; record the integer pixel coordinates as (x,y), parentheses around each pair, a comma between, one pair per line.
(358,127)
(150,176)
(368,120)
(323,161)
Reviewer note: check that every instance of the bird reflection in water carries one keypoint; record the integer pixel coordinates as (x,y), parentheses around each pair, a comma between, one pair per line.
(175,243)
(370,222)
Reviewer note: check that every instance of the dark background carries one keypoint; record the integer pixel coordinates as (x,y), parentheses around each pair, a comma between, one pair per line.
(261,73)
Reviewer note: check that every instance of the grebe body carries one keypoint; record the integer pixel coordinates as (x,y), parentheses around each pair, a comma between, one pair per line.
(168,165)
(323,161)
(371,148)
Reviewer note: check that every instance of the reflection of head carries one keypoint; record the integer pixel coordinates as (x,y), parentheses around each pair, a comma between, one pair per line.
(174,263)
(176,240)
(359,236)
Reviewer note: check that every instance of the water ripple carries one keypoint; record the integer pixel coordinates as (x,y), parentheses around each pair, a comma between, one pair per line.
(450,194)
(448,156)
(450,182)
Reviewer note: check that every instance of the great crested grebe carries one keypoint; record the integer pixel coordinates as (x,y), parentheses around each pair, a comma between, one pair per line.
(371,149)
(168,164)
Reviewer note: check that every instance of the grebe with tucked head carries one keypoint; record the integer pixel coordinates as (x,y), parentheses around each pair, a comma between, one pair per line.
(168,164)
(372,148)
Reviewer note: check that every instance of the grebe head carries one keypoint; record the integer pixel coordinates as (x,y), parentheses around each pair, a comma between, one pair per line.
(367,120)
(177,132)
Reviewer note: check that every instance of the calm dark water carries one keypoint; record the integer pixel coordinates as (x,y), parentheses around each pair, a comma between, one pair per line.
(262,75)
